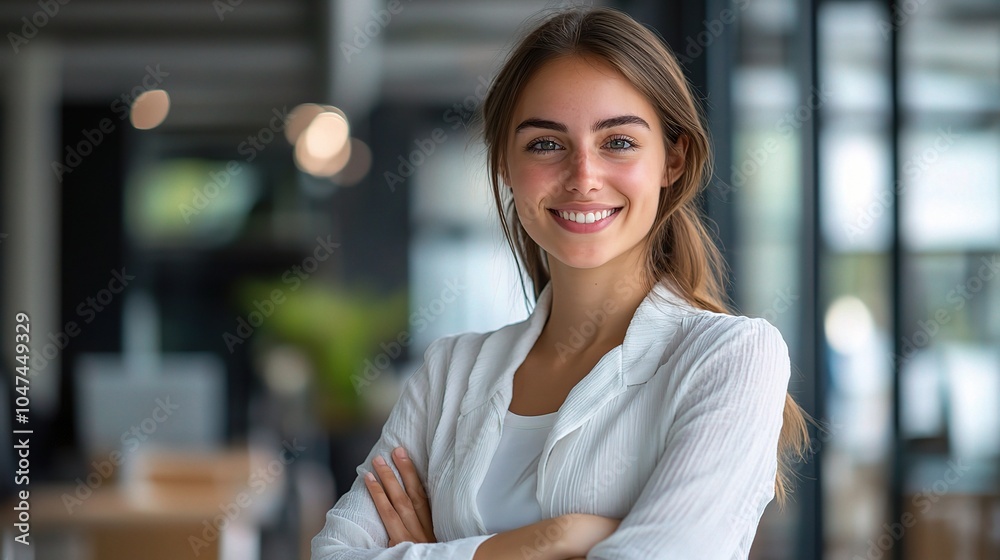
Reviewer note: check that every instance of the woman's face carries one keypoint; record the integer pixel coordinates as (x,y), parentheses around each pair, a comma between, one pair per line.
(586,162)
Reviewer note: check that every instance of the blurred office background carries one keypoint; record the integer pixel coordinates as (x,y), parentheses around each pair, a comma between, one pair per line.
(219,327)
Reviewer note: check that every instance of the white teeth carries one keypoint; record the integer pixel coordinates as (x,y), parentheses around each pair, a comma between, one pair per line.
(585,218)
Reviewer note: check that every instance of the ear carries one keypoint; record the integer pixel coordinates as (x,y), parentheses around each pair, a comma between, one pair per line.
(505,175)
(676,156)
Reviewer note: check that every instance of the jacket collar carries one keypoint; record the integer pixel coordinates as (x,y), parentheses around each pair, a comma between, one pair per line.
(655,324)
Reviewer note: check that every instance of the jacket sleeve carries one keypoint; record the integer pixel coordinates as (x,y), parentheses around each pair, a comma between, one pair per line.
(353,529)
(716,474)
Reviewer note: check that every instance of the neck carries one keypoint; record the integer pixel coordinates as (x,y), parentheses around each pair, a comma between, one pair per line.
(591,308)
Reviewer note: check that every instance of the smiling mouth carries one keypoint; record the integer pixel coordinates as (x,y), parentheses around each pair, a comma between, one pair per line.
(586,217)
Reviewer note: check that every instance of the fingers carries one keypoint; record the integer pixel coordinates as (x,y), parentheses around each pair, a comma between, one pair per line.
(400,500)
(414,489)
(400,516)
(390,519)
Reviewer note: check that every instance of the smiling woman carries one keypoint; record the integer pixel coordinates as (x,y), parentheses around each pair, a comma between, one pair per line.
(590,153)
(630,362)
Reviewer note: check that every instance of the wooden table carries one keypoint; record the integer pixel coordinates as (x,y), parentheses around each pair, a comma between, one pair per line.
(204,506)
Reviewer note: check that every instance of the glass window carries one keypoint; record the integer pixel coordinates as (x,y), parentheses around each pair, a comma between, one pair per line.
(856,204)
(457,251)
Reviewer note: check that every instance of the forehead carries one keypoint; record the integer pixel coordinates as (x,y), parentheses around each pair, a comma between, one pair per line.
(575,89)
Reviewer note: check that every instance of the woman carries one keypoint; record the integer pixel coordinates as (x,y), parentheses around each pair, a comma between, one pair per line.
(630,416)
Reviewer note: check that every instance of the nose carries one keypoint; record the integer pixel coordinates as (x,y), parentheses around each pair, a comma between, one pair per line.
(582,173)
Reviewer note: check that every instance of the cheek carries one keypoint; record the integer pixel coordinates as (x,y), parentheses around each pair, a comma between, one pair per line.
(640,183)
(528,212)
(530,185)
(532,179)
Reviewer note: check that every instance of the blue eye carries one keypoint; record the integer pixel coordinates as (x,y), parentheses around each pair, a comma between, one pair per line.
(542,146)
(621,144)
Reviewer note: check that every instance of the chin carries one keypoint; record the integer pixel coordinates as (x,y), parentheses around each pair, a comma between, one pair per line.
(583,261)
(590,257)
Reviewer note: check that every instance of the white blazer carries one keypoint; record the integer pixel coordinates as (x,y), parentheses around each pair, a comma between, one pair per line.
(675,431)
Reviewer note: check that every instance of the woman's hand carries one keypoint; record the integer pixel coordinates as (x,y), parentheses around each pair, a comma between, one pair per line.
(405,514)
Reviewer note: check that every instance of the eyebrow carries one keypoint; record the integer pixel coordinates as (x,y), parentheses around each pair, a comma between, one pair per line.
(611,122)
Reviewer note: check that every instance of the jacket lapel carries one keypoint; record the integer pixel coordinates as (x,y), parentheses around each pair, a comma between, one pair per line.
(489,393)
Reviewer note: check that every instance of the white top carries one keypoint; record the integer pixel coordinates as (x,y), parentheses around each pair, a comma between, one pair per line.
(507,498)
(675,431)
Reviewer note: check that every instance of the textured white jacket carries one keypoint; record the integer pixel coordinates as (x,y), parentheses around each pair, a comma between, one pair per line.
(675,432)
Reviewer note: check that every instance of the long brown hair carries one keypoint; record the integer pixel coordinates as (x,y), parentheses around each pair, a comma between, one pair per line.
(680,246)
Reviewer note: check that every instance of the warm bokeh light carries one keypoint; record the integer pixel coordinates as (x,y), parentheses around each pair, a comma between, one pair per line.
(317,165)
(305,161)
(849,324)
(322,149)
(150,109)
(303,115)
(325,136)
(299,119)
(337,163)
(357,166)
(338,110)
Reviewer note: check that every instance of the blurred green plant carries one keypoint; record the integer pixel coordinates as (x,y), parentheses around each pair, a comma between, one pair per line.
(338,328)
